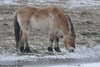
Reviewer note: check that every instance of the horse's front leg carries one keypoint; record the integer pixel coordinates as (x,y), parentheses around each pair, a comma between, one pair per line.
(57,49)
(50,47)
(51,40)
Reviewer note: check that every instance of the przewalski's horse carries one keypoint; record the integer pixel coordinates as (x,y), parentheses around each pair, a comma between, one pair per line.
(52,20)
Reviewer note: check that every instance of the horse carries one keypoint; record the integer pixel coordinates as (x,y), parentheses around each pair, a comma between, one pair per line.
(52,20)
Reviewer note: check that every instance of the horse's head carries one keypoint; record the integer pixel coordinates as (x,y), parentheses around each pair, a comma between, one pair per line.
(70,39)
(70,42)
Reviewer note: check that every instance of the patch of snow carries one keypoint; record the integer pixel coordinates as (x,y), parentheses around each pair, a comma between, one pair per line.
(80,53)
(91,65)
(83,65)
(15,57)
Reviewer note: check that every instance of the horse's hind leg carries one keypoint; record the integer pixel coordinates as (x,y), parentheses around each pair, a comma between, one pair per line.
(17,38)
(57,49)
(21,47)
(25,41)
(27,49)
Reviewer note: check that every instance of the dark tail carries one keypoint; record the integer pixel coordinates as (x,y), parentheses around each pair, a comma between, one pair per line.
(17,31)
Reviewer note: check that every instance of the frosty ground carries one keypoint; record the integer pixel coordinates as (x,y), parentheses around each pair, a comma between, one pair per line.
(85,15)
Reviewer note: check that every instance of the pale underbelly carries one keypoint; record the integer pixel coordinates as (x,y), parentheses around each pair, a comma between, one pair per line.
(42,26)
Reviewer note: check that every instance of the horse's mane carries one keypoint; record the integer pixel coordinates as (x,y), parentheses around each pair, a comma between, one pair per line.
(71,27)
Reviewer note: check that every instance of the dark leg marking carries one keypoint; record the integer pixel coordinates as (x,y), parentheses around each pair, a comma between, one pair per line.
(57,39)
(22,49)
(72,50)
(57,49)
(22,46)
(27,49)
(50,49)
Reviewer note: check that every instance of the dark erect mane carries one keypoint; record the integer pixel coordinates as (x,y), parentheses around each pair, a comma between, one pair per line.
(72,27)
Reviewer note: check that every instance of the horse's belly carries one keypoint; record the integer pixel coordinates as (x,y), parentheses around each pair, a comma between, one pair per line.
(42,25)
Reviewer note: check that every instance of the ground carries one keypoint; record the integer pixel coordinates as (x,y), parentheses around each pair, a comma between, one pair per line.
(85,16)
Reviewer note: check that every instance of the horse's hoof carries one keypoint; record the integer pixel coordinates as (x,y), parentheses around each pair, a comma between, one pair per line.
(27,49)
(50,49)
(57,49)
(72,50)
(22,49)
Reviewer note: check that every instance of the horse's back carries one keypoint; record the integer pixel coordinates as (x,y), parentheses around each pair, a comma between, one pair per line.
(41,18)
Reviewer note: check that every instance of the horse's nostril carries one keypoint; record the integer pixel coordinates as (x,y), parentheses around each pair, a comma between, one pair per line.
(71,50)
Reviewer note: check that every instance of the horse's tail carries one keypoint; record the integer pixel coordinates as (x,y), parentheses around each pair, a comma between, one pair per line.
(16,30)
